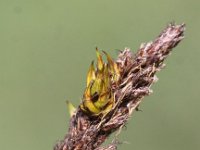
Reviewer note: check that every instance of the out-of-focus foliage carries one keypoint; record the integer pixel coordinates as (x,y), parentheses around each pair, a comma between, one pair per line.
(47,46)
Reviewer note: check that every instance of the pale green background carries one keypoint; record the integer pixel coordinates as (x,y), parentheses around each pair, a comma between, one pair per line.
(46,47)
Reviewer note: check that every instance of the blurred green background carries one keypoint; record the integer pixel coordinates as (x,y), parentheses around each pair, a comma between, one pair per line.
(46,47)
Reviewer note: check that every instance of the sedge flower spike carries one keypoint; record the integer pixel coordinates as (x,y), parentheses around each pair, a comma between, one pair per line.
(98,97)
(114,90)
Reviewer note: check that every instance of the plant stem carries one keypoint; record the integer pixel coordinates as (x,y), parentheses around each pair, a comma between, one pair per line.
(138,74)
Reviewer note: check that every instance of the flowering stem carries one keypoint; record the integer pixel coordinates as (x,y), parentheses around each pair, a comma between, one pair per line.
(87,132)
